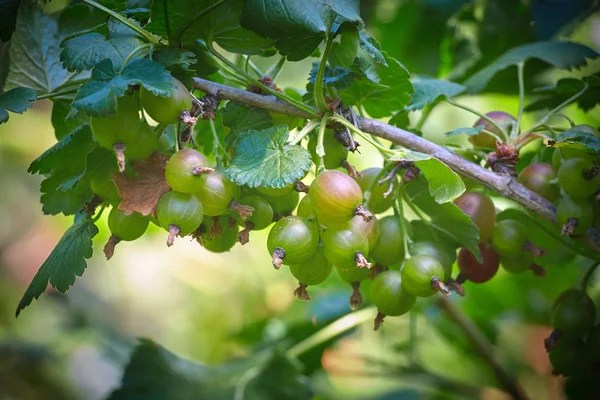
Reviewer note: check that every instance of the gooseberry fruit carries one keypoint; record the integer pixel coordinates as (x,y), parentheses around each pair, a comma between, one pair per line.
(293,240)
(388,295)
(184,170)
(123,227)
(262,216)
(226,237)
(305,209)
(389,249)
(370,229)
(578,177)
(166,110)
(480,208)
(336,197)
(275,192)
(311,272)
(179,213)
(104,187)
(502,119)
(217,195)
(423,276)
(335,153)
(541,179)
(475,271)
(346,248)
(575,215)
(283,206)
(569,357)
(509,237)
(593,342)
(378,202)
(573,313)
(444,254)
(354,276)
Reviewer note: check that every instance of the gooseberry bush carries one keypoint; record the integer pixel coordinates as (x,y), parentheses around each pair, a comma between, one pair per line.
(162,117)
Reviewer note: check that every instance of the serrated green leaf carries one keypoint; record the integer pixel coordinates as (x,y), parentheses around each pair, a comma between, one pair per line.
(85,51)
(209,20)
(400,120)
(263,158)
(343,53)
(430,90)
(576,138)
(8,11)
(298,27)
(370,46)
(553,96)
(424,231)
(64,126)
(170,56)
(17,100)
(34,53)
(65,262)
(444,184)
(447,217)
(379,89)
(98,97)
(469,131)
(241,118)
(563,55)
(154,373)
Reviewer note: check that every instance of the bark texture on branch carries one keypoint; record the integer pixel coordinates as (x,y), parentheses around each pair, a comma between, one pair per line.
(503,185)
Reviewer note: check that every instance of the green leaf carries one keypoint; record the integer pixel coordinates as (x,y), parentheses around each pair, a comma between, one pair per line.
(263,158)
(379,89)
(430,91)
(447,217)
(170,56)
(63,125)
(154,373)
(65,262)
(371,47)
(552,96)
(576,138)
(469,131)
(444,184)
(343,53)
(98,97)
(400,120)
(241,118)
(209,20)
(298,26)
(85,51)
(8,11)
(34,53)
(563,55)
(78,18)
(17,100)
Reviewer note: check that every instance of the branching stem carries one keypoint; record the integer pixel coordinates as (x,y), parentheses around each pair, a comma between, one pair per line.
(130,24)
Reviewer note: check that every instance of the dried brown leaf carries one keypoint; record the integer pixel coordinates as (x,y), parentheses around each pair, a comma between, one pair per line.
(141,192)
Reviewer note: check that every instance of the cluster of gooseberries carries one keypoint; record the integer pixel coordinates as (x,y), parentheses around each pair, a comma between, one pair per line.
(335,226)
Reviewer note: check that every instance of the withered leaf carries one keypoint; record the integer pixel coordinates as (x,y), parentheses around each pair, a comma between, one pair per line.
(141,192)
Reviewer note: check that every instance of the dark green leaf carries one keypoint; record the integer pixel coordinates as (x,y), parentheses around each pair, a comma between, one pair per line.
(209,20)
(379,89)
(469,131)
(34,53)
(429,91)
(78,18)
(241,118)
(563,55)
(447,217)
(400,120)
(8,11)
(64,126)
(263,158)
(444,184)
(17,100)
(576,138)
(85,51)
(298,27)
(553,96)
(98,97)
(343,53)
(371,47)
(154,373)
(170,56)
(337,77)
(65,262)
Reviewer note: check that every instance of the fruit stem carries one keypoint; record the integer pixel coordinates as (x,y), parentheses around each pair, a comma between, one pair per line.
(520,75)
(243,211)
(361,261)
(588,276)
(109,248)
(173,231)
(378,321)
(308,128)
(187,118)
(537,270)
(343,121)
(381,177)
(399,213)
(485,117)
(437,284)
(300,186)
(274,69)
(320,148)
(133,52)
(119,149)
(278,256)
(320,100)
(455,285)
(352,171)
(133,26)
(243,236)
(198,170)
(536,251)
(569,227)
(550,341)
(366,215)
(356,298)
(301,292)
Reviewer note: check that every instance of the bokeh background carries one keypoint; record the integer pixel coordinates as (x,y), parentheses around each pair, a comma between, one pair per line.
(212,308)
